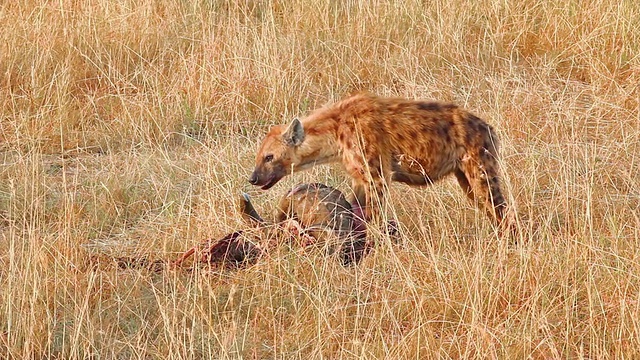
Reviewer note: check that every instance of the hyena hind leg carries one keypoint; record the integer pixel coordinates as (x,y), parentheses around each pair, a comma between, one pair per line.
(480,181)
(464,184)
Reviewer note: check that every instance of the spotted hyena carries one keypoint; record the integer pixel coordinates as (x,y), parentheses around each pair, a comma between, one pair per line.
(379,139)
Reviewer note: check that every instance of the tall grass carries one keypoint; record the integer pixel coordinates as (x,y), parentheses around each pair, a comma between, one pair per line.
(129,128)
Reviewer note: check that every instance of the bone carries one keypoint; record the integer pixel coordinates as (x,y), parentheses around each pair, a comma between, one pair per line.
(248,212)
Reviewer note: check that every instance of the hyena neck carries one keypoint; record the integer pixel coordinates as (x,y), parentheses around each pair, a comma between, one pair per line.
(320,144)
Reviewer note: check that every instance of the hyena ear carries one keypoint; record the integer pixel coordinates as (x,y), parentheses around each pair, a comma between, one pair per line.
(294,135)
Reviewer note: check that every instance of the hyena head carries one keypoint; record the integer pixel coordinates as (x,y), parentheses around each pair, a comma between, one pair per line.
(278,154)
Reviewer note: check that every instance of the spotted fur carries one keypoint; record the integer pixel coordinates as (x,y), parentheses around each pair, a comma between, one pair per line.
(379,139)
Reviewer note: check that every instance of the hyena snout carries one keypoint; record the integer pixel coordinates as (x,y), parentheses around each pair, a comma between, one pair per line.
(253,179)
(266,179)
(259,178)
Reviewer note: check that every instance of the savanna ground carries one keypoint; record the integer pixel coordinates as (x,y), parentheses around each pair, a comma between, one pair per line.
(129,129)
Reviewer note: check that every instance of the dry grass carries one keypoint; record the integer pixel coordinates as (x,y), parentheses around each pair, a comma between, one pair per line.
(130,128)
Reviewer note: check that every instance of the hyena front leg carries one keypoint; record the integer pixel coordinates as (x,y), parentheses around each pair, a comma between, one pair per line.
(358,204)
(368,180)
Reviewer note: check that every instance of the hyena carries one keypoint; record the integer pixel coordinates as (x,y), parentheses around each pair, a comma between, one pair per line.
(312,213)
(318,213)
(380,139)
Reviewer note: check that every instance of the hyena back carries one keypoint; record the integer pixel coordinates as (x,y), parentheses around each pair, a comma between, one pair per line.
(378,139)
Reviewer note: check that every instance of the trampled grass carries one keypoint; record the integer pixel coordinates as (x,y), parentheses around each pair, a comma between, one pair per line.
(129,129)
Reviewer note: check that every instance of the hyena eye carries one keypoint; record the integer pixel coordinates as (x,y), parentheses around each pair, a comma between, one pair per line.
(268,158)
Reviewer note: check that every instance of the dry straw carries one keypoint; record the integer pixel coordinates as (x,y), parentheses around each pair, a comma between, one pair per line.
(129,128)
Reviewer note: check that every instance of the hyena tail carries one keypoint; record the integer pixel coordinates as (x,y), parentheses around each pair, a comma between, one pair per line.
(491,142)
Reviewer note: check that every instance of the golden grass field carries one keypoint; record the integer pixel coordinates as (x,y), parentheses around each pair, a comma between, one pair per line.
(129,129)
